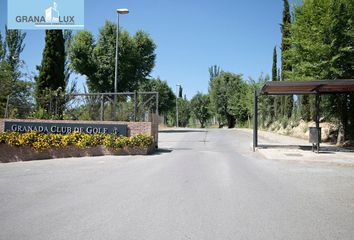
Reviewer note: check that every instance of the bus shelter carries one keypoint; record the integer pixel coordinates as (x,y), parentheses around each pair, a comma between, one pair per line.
(317,88)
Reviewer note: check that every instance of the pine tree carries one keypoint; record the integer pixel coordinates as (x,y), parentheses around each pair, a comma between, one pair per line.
(51,76)
(285,62)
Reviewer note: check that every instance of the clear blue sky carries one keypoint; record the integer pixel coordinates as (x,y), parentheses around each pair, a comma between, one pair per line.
(239,36)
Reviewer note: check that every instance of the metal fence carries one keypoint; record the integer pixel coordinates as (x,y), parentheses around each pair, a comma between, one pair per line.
(124,106)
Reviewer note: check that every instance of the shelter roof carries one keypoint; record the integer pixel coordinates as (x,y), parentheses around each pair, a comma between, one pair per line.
(308,87)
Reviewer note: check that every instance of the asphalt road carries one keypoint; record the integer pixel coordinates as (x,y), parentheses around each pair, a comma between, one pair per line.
(201,185)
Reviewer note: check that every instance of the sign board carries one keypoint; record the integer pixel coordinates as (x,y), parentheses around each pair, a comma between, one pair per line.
(45,14)
(63,128)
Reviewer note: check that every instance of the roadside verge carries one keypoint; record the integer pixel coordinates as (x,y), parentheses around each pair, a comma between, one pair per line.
(274,146)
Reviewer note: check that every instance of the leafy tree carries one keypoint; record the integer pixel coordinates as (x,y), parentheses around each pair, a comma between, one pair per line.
(20,101)
(184,112)
(218,91)
(184,108)
(228,97)
(238,92)
(322,39)
(264,103)
(322,35)
(166,95)
(14,45)
(214,71)
(51,76)
(200,108)
(96,59)
(81,54)
(6,85)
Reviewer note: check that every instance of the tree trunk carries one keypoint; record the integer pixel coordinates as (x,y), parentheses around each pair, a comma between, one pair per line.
(231,121)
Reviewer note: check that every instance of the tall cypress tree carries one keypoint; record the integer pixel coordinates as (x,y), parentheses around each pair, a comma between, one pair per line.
(285,63)
(2,49)
(51,73)
(180,92)
(276,77)
(274,66)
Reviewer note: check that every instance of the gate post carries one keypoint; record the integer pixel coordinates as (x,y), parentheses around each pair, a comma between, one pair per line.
(135,105)
(102,108)
(157,104)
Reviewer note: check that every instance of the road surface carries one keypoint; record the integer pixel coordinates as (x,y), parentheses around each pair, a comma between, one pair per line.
(203,184)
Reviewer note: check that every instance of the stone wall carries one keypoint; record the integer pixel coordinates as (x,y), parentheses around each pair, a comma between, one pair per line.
(15,154)
(155,121)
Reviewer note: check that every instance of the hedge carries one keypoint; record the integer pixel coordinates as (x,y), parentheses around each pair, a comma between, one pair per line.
(40,141)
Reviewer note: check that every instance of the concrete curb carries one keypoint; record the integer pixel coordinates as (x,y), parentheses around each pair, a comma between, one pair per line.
(296,155)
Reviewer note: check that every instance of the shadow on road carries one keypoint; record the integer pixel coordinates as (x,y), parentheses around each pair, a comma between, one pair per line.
(269,146)
(181,131)
(161,151)
(323,149)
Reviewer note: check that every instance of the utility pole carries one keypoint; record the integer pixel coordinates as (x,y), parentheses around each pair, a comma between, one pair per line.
(177,91)
(116,74)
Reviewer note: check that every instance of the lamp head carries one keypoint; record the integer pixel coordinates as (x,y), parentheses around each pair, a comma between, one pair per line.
(122,11)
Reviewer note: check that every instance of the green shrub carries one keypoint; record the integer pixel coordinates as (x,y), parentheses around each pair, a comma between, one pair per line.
(39,141)
(284,122)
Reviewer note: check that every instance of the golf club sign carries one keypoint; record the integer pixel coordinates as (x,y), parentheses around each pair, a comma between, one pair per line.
(63,128)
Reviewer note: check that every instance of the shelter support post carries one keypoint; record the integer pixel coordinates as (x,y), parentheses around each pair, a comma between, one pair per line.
(255,121)
(318,102)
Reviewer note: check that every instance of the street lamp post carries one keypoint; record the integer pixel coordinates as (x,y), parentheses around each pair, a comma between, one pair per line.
(116,75)
(177,92)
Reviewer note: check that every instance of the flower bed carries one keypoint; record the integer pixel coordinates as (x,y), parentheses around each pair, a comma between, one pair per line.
(34,146)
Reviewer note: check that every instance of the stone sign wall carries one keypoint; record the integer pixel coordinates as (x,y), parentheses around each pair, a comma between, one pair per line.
(62,126)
